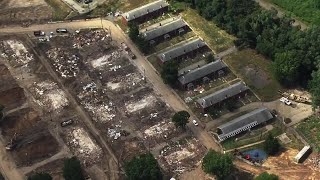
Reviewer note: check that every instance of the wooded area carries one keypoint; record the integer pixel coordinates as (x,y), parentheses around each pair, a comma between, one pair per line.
(295,53)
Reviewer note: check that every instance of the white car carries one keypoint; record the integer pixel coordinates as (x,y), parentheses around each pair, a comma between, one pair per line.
(195,122)
(285,101)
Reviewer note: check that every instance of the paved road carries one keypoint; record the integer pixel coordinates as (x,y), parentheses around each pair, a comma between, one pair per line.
(267,5)
(168,95)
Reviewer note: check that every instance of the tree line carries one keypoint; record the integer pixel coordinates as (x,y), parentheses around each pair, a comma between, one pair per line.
(295,53)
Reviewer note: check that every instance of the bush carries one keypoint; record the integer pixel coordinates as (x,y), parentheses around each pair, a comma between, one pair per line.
(72,169)
(266,176)
(143,167)
(40,176)
(271,145)
(218,164)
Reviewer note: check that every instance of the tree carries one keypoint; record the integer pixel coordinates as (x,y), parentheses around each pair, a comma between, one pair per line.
(271,145)
(210,58)
(286,67)
(133,31)
(169,73)
(72,169)
(218,164)
(267,176)
(40,176)
(143,167)
(315,88)
(181,118)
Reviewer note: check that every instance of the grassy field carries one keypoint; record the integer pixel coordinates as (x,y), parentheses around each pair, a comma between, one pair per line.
(306,10)
(126,5)
(310,128)
(216,38)
(60,9)
(255,71)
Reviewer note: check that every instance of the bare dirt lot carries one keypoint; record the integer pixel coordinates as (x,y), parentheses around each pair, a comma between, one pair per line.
(23,11)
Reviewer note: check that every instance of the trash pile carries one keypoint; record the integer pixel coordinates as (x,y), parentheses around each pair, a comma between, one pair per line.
(83,146)
(141,104)
(49,96)
(65,64)
(16,53)
(88,37)
(97,103)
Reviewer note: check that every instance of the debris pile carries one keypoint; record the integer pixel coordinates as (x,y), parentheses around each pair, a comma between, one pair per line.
(16,53)
(161,129)
(97,103)
(65,64)
(182,155)
(106,60)
(49,96)
(83,146)
(89,37)
(145,102)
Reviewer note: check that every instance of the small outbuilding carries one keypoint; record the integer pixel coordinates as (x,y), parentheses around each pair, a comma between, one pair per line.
(306,150)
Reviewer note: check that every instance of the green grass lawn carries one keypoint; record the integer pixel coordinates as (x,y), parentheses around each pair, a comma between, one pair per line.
(255,70)
(306,10)
(310,129)
(60,9)
(216,38)
(127,5)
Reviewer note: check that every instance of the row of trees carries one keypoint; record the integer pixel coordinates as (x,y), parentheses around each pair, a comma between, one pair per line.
(71,171)
(295,53)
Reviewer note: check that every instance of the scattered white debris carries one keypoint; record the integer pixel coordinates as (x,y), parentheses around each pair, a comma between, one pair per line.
(178,156)
(113,86)
(17,53)
(146,101)
(159,128)
(83,145)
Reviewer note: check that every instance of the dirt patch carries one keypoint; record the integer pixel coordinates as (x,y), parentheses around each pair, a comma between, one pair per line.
(258,78)
(19,122)
(22,11)
(36,149)
(54,168)
(12,98)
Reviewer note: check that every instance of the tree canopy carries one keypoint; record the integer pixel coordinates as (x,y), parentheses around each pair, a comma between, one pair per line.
(135,36)
(143,167)
(181,118)
(1,111)
(72,169)
(40,176)
(217,164)
(295,53)
(169,73)
(267,176)
(271,145)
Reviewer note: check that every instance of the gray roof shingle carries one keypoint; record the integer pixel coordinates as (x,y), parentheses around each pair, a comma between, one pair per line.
(178,51)
(244,122)
(143,10)
(222,94)
(201,72)
(164,29)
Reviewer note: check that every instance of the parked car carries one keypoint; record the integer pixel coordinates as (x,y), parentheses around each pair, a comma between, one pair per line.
(195,122)
(61,30)
(285,101)
(39,33)
(66,123)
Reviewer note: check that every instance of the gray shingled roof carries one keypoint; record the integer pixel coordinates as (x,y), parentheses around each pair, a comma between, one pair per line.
(164,29)
(143,10)
(222,94)
(186,47)
(201,72)
(244,122)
